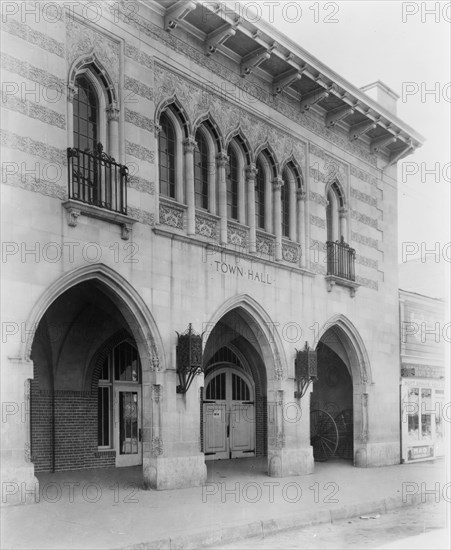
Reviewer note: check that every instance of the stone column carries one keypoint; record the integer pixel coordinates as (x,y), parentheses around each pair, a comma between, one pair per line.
(277,188)
(251,172)
(71,91)
(343,214)
(189,145)
(302,238)
(221,162)
(113,131)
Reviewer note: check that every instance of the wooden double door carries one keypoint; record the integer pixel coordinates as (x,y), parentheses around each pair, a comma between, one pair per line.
(229,415)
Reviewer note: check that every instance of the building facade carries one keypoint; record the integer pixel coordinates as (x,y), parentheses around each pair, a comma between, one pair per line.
(178,172)
(424,402)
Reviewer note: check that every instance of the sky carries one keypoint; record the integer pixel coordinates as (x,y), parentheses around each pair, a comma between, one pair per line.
(407,46)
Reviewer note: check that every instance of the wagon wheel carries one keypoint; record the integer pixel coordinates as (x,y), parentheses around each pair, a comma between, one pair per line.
(323,435)
(344,420)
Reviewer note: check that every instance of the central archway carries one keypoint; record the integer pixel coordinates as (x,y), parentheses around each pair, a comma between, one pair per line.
(243,364)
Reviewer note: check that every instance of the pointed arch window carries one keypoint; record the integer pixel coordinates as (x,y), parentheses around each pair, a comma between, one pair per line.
(167,156)
(285,203)
(86,115)
(201,163)
(232,182)
(260,191)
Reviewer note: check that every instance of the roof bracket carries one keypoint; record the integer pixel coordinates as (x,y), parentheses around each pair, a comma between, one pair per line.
(378,143)
(338,114)
(286,79)
(361,128)
(176,13)
(255,59)
(313,97)
(219,36)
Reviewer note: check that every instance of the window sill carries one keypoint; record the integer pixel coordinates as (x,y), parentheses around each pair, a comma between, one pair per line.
(333,280)
(76,208)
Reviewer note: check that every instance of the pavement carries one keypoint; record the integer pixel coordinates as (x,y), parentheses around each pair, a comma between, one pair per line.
(107,508)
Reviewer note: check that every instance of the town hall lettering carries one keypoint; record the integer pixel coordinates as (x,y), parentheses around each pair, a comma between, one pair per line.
(239,271)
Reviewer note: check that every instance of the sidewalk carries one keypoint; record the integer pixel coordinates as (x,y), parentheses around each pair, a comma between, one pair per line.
(107,509)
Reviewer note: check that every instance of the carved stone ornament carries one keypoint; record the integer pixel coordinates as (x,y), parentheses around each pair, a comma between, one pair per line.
(156,446)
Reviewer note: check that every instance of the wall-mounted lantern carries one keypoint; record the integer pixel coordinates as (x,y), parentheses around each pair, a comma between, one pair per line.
(189,358)
(305,367)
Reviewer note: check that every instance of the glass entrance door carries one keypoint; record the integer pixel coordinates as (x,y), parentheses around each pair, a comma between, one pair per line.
(128,428)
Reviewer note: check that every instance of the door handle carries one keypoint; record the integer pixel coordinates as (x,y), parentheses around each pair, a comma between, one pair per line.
(140,434)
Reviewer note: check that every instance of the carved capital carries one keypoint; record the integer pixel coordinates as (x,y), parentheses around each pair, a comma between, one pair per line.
(222,159)
(301,195)
(156,130)
(189,144)
(343,211)
(113,112)
(277,183)
(156,445)
(251,172)
(71,92)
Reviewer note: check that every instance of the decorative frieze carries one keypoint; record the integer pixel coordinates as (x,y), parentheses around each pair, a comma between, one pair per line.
(141,184)
(319,199)
(206,225)
(422,371)
(51,82)
(369,283)
(139,56)
(33,147)
(367,262)
(27,33)
(363,197)
(317,221)
(363,239)
(139,152)
(33,110)
(236,235)
(142,216)
(137,88)
(139,120)
(332,169)
(362,218)
(30,183)
(172,214)
(364,176)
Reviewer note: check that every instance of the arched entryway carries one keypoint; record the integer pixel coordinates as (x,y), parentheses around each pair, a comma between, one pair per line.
(339,398)
(92,349)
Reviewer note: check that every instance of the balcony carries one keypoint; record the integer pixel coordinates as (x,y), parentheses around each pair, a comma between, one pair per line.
(97,179)
(340,265)
(97,188)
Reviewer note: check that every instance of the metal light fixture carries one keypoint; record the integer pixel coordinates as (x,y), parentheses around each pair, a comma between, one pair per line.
(305,366)
(189,358)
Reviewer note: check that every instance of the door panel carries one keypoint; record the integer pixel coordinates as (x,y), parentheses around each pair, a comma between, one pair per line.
(229,418)
(215,430)
(128,427)
(242,430)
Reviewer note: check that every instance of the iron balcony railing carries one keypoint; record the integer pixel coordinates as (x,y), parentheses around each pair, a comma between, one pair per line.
(96,178)
(340,260)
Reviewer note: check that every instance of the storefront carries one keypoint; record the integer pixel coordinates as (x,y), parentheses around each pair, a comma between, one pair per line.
(423,398)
